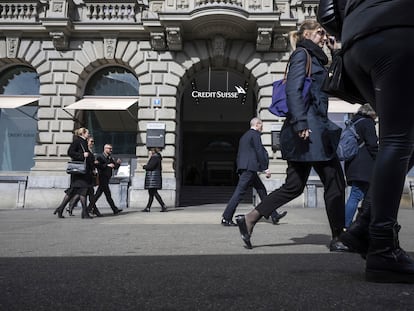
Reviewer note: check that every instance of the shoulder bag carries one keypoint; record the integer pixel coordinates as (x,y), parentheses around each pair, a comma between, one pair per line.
(76,167)
(279,106)
(338,84)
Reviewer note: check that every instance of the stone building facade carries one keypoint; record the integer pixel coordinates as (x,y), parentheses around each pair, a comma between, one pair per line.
(203,69)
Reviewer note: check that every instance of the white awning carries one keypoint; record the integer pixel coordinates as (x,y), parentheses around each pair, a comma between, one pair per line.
(340,106)
(103,104)
(11,102)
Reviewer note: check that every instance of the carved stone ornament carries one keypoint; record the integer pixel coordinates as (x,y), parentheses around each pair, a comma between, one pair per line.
(12,44)
(60,40)
(264,39)
(109,47)
(174,40)
(219,46)
(158,40)
(280,43)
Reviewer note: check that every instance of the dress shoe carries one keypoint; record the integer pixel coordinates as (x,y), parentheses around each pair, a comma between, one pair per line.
(117,211)
(146,210)
(97,213)
(241,222)
(275,219)
(337,246)
(228,223)
(163,209)
(86,216)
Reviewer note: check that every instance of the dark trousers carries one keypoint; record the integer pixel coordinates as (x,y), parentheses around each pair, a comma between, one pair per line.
(382,66)
(154,193)
(246,178)
(104,188)
(331,175)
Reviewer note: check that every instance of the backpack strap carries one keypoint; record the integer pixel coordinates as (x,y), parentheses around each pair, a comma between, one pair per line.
(356,133)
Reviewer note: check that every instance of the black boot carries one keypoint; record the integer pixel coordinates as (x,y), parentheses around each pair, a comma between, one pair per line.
(387,262)
(59,212)
(356,237)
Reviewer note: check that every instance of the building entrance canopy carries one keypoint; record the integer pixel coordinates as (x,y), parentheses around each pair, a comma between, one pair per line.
(11,102)
(106,103)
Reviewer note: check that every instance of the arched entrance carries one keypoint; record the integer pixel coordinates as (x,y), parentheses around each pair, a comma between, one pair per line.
(216,107)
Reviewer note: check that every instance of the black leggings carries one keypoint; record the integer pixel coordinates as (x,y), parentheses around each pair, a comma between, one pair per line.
(152,193)
(382,65)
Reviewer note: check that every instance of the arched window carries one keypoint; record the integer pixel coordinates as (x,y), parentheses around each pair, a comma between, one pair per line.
(116,127)
(19,88)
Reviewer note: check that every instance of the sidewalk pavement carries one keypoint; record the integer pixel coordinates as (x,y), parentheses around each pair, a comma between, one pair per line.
(185,260)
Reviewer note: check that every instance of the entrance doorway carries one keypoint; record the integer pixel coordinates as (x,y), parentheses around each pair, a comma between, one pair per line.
(217,106)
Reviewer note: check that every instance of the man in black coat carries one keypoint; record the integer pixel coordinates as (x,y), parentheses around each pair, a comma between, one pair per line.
(252,158)
(106,165)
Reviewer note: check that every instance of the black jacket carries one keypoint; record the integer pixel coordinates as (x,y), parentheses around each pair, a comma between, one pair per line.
(324,138)
(364,17)
(105,171)
(75,151)
(251,155)
(361,166)
(153,177)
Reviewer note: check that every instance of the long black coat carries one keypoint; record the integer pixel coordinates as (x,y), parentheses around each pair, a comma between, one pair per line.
(324,138)
(75,151)
(153,176)
(365,17)
(252,156)
(361,166)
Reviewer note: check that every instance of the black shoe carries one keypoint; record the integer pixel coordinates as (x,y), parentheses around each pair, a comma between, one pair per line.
(146,210)
(276,219)
(59,212)
(228,223)
(163,209)
(357,243)
(391,266)
(86,216)
(241,222)
(97,213)
(337,246)
(117,211)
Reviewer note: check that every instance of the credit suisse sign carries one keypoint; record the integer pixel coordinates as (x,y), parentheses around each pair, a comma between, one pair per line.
(218,94)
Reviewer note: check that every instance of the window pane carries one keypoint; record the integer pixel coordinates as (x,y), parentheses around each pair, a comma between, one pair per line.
(19,80)
(113,81)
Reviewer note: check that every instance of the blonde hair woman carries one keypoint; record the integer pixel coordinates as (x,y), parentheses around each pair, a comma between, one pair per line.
(308,138)
(79,183)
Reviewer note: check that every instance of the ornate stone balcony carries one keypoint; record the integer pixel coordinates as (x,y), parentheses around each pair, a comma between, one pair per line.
(20,11)
(112,11)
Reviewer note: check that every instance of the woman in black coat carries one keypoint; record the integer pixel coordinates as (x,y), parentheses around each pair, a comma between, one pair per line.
(153,179)
(79,183)
(380,60)
(308,139)
(359,169)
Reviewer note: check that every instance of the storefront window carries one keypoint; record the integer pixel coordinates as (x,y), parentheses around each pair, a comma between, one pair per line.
(116,127)
(18,126)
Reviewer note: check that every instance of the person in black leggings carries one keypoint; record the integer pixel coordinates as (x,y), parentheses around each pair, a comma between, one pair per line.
(379,58)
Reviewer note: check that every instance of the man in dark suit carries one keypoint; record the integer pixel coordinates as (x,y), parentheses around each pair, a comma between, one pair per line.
(252,158)
(106,165)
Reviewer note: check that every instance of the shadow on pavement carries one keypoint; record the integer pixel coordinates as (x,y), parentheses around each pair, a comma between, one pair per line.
(211,282)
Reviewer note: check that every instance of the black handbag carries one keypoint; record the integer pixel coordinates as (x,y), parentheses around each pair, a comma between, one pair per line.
(338,84)
(76,167)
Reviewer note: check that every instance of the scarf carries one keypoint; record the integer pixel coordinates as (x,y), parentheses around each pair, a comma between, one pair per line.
(314,50)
